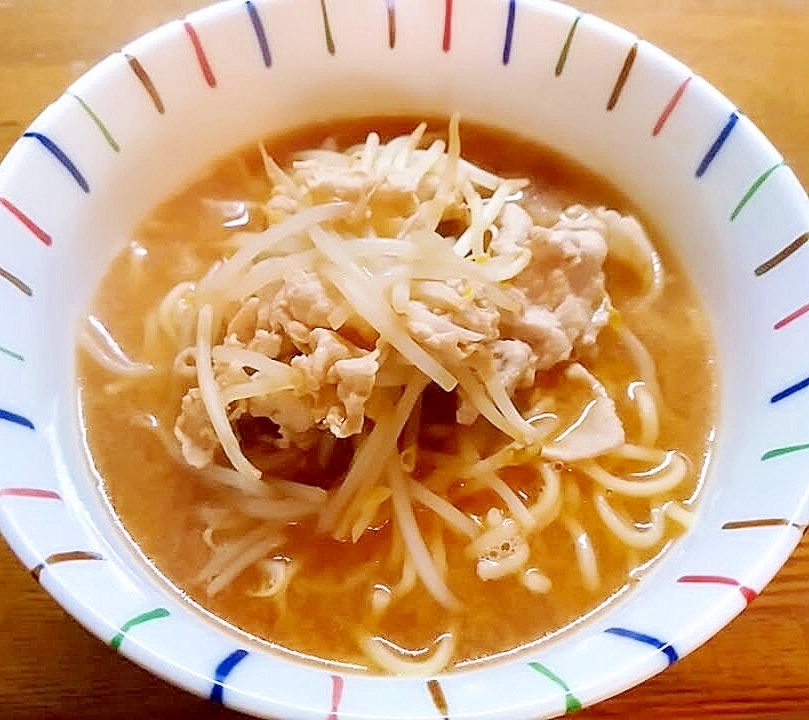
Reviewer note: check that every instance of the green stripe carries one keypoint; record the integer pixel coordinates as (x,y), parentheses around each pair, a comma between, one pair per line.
(99,124)
(754,188)
(780,452)
(572,705)
(156,614)
(560,66)
(11,354)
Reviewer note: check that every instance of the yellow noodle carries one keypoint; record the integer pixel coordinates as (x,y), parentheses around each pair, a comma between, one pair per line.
(668,480)
(379,650)
(588,565)
(549,505)
(679,514)
(626,532)
(516,507)
(648,415)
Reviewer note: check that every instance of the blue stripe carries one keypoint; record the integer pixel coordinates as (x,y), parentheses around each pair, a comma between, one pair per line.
(789,392)
(57,152)
(665,648)
(222,671)
(717,146)
(261,35)
(16,419)
(512,12)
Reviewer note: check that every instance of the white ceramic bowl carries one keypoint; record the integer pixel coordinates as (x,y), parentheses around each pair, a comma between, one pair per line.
(147,119)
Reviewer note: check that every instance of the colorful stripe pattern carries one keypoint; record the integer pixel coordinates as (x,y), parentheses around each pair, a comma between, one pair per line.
(790,391)
(60,155)
(11,353)
(15,419)
(199,51)
(747,593)
(664,647)
(261,33)
(718,144)
(782,256)
(63,557)
(671,106)
(30,493)
(11,278)
(623,76)
(391,6)
(434,688)
(223,670)
(754,188)
(562,61)
(146,80)
(510,20)
(761,523)
(780,452)
(572,705)
(327,28)
(446,43)
(27,222)
(97,121)
(155,614)
(792,317)
(439,698)
(337,684)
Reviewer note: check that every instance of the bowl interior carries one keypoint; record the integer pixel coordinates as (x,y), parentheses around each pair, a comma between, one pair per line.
(148,119)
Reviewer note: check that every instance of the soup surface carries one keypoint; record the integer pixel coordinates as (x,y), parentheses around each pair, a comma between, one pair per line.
(350,594)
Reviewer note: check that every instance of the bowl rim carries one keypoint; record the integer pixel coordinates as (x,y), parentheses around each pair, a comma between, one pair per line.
(690,635)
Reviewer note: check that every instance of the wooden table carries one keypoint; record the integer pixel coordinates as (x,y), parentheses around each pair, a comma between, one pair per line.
(756,51)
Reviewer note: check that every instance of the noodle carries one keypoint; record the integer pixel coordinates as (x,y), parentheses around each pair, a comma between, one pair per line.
(423,562)
(95,339)
(679,514)
(670,479)
(641,358)
(588,565)
(393,662)
(647,412)
(515,506)
(549,505)
(624,531)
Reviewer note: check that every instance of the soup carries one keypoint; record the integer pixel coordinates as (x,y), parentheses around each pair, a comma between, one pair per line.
(405,400)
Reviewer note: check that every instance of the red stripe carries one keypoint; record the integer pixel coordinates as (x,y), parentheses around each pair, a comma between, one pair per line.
(747,593)
(670,108)
(30,493)
(792,317)
(336,696)
(25,220)
(708,580)
(447,25)
(204,65)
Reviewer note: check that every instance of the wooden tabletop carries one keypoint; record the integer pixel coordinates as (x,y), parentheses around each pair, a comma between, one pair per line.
(755,51)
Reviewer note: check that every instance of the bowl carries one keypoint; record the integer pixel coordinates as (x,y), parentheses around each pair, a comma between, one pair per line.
(146,120)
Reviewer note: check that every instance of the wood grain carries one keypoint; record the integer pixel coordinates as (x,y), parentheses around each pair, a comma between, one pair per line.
(756,52)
